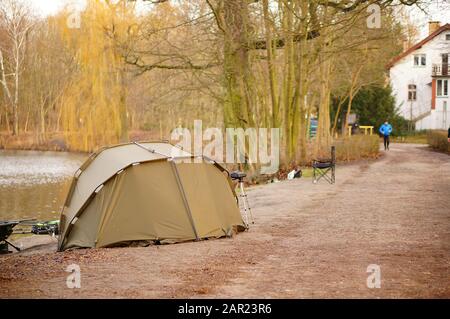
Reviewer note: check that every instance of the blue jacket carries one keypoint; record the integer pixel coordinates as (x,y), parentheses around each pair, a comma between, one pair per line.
(386,129)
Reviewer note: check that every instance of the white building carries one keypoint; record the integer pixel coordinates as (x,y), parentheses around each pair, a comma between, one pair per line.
(420,79)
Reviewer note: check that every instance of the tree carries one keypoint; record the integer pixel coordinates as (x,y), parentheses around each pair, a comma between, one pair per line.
(374,105)
(94,109)
(16,21)
(237,63)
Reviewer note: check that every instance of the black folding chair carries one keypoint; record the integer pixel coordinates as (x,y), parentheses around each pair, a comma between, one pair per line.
(325,167)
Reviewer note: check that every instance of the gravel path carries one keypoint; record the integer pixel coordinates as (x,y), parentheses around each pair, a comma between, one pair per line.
(309,241)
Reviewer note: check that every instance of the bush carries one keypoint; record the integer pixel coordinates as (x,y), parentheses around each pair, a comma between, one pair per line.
(350,148)
(438,141)
(357,147)
(32,141)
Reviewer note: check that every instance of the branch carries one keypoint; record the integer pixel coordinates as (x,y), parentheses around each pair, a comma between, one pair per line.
(280,42)
(151,1)
(187,66)
(344,8)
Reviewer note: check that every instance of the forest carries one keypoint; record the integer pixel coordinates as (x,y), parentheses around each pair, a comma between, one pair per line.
(120,70)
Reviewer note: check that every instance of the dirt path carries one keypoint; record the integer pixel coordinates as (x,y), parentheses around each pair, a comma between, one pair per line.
(308,241)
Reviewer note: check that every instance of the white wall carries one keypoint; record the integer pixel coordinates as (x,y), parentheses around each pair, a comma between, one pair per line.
(404,72)
(438,118)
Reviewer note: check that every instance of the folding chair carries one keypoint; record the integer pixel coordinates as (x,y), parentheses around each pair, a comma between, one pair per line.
(324,166)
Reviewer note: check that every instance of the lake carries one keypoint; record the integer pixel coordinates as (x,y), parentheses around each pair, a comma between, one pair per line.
(34,184)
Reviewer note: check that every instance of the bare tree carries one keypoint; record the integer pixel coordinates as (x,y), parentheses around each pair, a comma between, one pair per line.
(16,21)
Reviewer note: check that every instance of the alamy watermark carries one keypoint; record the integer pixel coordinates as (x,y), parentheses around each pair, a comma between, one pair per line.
(374,19)
(374,278)
(73,20)
(239,146)
(74,279)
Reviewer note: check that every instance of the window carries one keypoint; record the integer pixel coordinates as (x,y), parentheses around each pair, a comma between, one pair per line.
(442,88)
(412,92)
(447,37)
(420,60)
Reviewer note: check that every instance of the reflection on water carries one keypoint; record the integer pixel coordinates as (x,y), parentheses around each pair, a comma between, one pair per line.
(34,184)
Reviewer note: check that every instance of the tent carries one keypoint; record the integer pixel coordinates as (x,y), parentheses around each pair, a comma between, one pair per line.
(150,191)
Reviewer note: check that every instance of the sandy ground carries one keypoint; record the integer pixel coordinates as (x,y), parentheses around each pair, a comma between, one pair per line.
(308,241)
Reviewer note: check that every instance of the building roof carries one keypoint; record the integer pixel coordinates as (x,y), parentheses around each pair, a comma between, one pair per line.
(418,45)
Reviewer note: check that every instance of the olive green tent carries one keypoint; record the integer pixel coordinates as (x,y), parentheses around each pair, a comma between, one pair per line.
(147,192)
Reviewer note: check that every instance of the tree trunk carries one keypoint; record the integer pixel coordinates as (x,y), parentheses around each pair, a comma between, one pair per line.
(289,100)
(270,66)
(15,120)
(351,94)
(16,95)
(338,111)
(349,109)
(233,19)
(6,90)
(123,108)
(323,126)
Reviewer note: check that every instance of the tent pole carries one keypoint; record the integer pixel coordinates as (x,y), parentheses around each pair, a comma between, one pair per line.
(150,150)
(183,195)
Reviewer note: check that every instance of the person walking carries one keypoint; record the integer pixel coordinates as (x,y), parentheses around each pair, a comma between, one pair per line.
(386,130)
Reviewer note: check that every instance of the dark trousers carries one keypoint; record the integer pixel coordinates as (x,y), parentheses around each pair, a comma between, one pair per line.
(386,141)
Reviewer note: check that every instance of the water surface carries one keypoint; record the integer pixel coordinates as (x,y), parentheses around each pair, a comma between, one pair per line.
(34,184)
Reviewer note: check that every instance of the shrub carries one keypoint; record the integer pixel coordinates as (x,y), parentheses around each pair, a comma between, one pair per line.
(350,148)
(357,147)
(438,141)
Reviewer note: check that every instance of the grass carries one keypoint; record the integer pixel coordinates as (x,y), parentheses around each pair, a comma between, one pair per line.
(307,172)
(420,138)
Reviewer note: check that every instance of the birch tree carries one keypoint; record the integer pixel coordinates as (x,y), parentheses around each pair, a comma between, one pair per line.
(16,20)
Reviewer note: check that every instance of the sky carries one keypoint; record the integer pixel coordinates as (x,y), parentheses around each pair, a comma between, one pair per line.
(51,7)
(438,10)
